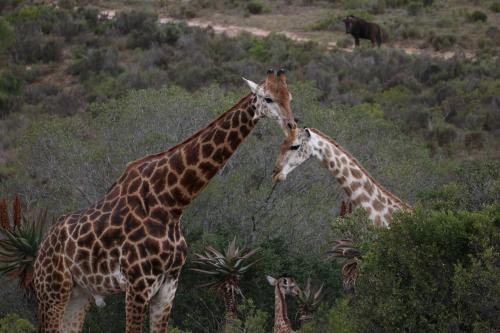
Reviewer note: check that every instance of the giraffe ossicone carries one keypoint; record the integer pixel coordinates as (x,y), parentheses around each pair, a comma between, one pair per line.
(361,188)
(131,239)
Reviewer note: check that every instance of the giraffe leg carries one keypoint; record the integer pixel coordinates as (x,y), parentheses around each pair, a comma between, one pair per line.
(75,311)
(53,293)
(161,305)
(135,308)
(51,313)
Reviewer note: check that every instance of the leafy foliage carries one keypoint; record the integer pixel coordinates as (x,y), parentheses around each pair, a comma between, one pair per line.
(414,277)
(12,323)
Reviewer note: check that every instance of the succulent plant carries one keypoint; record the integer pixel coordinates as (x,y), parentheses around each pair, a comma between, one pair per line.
(309,301)
(19,241)
(344,251)
(225,268)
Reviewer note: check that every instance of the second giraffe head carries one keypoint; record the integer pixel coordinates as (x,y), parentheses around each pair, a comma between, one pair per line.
(273,99)
(295,150)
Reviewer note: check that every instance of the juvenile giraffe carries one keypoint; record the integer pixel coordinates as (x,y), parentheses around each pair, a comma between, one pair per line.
(360,187)
(131,239)
(282,286)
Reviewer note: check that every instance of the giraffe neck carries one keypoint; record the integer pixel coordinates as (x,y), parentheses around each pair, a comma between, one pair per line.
(173,178)
(361,188)
(281,321)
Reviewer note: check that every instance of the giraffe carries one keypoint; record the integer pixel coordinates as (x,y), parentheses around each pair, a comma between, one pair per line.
(361,188)
(131,240)
(282,286)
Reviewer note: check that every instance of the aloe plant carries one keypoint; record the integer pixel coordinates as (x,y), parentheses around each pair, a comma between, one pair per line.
(226,269)
(344,251)
(309,301)
(19,242)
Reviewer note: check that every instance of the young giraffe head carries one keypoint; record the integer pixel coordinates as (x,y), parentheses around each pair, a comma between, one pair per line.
(273,99)
(295,150)
(286,285)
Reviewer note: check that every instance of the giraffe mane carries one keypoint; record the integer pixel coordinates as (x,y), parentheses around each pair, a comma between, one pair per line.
(156,156)
(355,161)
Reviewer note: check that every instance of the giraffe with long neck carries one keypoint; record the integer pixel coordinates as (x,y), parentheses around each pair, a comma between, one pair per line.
(131,239)
(282,286)
(360,187)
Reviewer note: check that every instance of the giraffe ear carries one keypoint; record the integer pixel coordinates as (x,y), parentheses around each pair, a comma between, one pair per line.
(253,86)
(272,281)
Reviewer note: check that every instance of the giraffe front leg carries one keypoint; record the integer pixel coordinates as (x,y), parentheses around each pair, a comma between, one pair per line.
(161,306)
(135,308)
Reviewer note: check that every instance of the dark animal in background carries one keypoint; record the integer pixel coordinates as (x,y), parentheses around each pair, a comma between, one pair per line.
(360,28)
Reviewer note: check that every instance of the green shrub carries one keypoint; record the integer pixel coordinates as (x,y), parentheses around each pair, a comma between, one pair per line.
(421,274)
(324,24)
(414,8)
(495,7)
(38,17)
(255,7)
(345,42)
(170,32)
(474,140)
(477,16)
(6,34)
(9,83)
(442,42)
(96,61)
(51,51)
(12,323)
(135,20)
(445,135)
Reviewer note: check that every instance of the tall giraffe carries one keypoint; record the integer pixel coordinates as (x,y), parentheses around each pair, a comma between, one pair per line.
(360,187)
(282,286)
(131,239)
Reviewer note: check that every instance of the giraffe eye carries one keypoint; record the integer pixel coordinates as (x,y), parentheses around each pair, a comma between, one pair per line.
(268,100)
(295,147)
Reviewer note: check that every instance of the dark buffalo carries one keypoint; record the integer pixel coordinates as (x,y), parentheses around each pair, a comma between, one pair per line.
(360,28)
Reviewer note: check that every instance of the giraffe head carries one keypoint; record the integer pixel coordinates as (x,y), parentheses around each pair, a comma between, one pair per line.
(286,285)
(273,100)
(295,150)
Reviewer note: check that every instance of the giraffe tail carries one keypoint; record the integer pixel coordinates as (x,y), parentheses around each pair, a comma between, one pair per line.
(19,242)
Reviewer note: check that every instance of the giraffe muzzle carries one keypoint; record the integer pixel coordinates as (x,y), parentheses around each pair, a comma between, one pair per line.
(278,176)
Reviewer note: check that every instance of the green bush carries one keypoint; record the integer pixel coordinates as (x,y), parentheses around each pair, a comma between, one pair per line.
(477,16)
(141,21)
(6,34)
(495,7)
(414,8)
(445,135)
(421,274)
(255,7)
(12,323)
(442,42)
(51,51)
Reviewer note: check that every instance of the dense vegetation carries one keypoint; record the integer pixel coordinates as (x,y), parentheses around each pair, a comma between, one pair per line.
(80,96)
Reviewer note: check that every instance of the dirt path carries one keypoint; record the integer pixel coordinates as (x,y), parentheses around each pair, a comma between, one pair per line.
(234,30)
